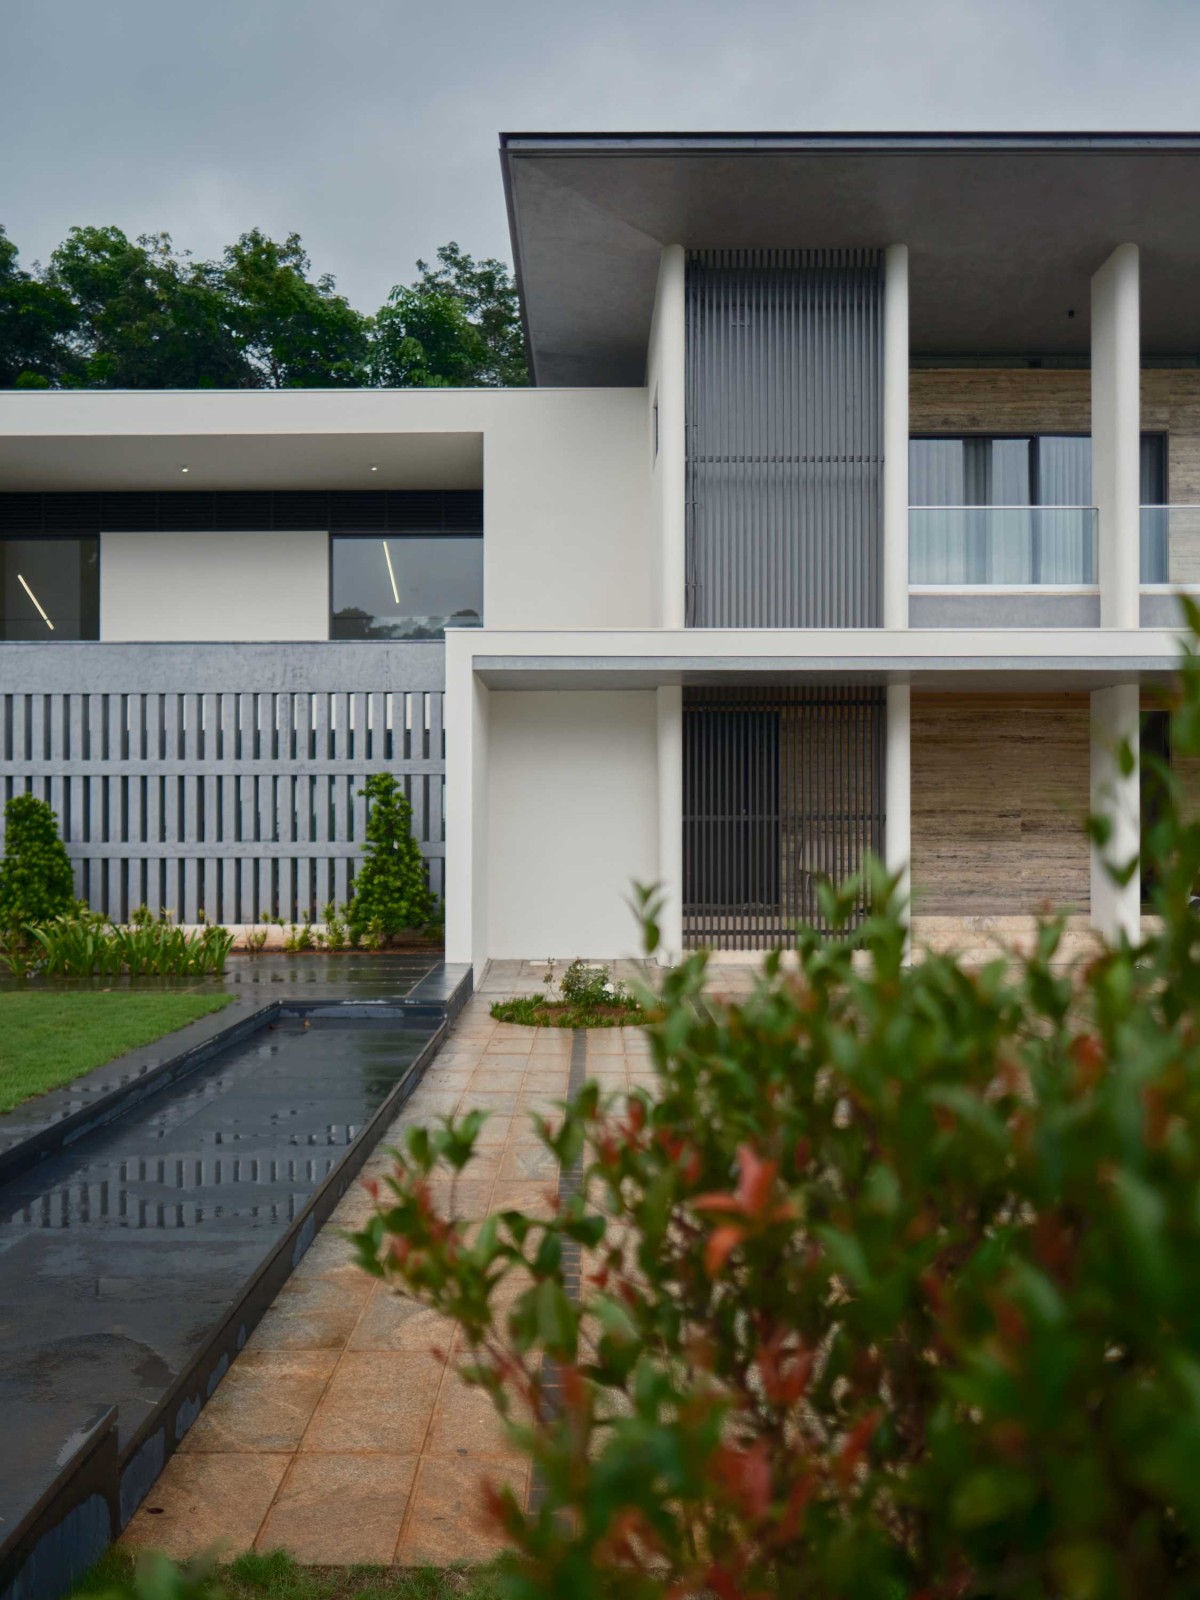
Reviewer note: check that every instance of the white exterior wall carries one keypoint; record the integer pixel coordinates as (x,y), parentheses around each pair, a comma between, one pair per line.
(568,537)
(214,586)
(1116,433)
(1116,719)
(666,378)
(572,820)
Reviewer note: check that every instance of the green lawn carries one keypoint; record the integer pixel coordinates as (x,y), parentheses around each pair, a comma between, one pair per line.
(277,1577)
(47,1038)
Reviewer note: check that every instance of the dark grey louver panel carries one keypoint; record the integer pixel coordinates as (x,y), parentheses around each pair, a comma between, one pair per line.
(784,438)
(783,788)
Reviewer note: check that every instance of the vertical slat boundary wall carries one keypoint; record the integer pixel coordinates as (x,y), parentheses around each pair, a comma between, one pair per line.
(784,438)
(783,788)
(237,795)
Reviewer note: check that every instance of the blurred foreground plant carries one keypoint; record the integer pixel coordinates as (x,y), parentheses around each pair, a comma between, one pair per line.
(890,1287)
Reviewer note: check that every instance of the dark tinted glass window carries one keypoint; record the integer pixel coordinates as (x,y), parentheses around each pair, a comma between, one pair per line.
(49,589)
(1039,470)
(407,587)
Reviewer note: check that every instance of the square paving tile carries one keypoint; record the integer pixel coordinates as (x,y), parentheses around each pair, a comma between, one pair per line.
(526,1162)
(340,1510)
(313,1313)
(263,1404)
(534,1199)
(465,1424)
(201,1501)
(502,1101)
(391,1321)
(377,1401)
(497,1074)
(447,1521)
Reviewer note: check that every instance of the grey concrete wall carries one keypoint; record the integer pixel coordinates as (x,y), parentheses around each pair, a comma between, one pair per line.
(952,610)
(222,778)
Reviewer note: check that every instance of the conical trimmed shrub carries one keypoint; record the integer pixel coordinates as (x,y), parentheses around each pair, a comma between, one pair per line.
(36,881)
(391,889)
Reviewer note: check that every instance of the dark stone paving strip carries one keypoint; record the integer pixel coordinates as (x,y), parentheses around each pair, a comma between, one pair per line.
(569,1183)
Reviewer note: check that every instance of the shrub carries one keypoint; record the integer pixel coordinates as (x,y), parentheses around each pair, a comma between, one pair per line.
(36,882)
(891,1287)
(86,946)
(391,889)
(587,998)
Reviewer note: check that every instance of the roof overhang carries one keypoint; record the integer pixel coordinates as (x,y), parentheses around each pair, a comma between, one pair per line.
(1004,231)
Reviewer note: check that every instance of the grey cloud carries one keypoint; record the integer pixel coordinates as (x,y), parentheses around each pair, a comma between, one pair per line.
(370,127)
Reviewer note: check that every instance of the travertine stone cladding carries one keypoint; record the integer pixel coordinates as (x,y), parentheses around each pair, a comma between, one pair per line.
(1000,793)
(1048,400)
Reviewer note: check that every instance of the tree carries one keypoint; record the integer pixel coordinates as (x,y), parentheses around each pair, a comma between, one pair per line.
(35,320)
(36,882)
(890,1286)
(425,340)
(146,317)
(295,332)
(111,312)
(391,888)
(458,325)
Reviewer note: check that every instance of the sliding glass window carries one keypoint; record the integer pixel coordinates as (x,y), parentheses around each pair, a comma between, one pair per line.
(405,586)
(989,510)
(49,589)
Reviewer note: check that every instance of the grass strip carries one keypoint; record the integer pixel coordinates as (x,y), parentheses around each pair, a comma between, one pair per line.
(275,1576)
(48,1037)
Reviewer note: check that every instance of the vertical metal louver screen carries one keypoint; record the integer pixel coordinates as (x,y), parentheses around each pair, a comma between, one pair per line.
(784,438)
(782,788)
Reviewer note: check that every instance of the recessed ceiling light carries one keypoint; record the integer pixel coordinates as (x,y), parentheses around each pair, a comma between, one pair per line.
(374,469)
(183,469)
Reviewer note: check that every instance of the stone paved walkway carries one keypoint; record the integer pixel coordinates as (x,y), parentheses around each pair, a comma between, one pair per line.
(338,1435)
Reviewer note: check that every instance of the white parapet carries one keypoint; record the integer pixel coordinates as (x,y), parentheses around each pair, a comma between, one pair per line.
(1116,715)
(1116,433)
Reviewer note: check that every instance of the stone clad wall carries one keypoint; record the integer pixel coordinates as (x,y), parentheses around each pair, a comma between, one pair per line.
(1047,400)
(1000,790)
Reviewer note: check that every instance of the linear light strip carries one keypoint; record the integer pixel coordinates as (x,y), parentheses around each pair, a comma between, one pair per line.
(38,603)
(387,556)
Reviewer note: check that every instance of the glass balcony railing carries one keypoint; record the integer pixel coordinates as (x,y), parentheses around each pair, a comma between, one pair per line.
(1018,546)
(1171,545)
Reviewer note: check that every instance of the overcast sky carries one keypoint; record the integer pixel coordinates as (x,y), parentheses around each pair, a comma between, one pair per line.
(369,126)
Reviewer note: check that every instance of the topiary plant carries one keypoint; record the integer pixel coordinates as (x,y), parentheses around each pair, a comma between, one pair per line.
(36,881)
(391,888)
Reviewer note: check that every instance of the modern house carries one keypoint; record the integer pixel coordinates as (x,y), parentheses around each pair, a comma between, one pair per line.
(844,514)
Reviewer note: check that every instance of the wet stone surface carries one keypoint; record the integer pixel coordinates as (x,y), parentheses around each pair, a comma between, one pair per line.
(119,1255)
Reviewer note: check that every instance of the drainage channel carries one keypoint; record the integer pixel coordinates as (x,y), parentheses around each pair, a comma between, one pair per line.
(136,1260)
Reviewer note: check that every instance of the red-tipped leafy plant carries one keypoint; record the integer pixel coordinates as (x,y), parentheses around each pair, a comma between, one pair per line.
(890,1286)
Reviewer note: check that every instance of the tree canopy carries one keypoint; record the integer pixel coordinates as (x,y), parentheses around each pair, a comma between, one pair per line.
(111,312)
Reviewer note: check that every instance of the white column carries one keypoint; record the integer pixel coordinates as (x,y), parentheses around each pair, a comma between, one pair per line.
(1116,717)
(895,436)
(668,373)
(898,785)
(670,820)
(466,724)
(1116,434)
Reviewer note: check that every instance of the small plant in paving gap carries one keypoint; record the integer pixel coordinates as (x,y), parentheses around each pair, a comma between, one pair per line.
(391,887)
(36,882)
(891,1285)
(588,997)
